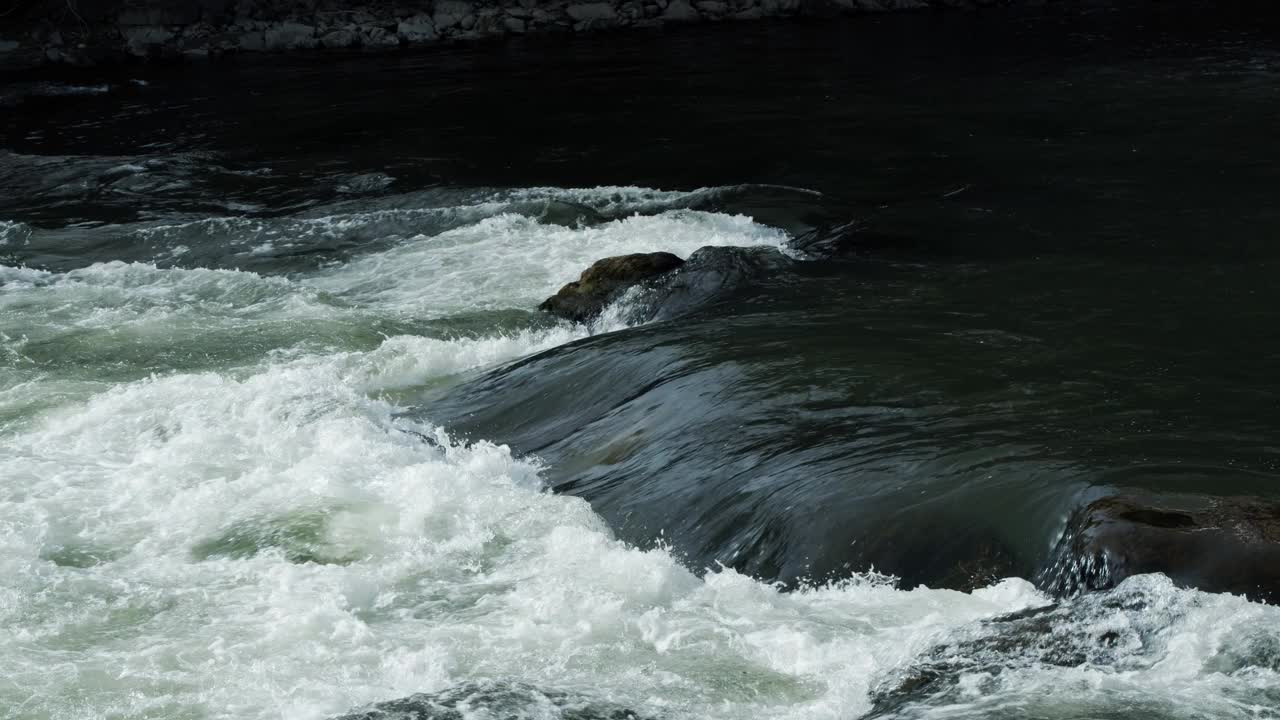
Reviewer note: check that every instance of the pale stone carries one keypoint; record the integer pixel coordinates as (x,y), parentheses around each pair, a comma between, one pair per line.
(417,29)
(289,36)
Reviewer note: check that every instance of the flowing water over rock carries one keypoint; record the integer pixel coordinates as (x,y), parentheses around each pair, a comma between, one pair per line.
(284,434)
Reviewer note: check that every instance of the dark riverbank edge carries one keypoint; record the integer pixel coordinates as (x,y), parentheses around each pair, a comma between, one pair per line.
(95,32)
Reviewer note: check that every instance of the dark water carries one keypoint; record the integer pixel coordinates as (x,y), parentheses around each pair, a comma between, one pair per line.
(1063,284)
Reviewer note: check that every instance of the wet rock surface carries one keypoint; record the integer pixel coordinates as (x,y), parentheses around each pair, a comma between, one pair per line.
(667,287)
(1216,544)
(605,281)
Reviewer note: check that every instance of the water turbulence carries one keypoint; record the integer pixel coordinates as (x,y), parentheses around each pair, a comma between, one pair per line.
(225,495)
(259,529)
(285,434)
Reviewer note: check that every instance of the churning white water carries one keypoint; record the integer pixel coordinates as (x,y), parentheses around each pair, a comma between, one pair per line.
(210,507)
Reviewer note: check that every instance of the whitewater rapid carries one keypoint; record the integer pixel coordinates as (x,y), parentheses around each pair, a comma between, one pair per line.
(213,505)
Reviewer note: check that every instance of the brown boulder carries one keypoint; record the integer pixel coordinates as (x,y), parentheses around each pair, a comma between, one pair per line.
(605,281)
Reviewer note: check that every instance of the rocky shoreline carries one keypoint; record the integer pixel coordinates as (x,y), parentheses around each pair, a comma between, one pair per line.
(91,32)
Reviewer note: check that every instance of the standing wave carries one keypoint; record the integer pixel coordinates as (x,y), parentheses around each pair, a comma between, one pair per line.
(212,505)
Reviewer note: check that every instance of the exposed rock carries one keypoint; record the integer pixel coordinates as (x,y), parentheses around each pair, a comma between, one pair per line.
(1214,544)
(198,37)
(592,11)
(780,7)
(714,8)
(107,29)
(143,41)
(631,10)
(680,11)
(449,13)
(339,39)
(488,23)
(417,29)
(290,36)
(378,37)
(605,281)
(710,273)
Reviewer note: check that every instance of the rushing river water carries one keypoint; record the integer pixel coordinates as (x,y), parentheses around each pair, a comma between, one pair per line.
(284,435)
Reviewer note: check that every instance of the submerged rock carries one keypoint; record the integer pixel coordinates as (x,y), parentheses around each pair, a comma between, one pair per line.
(1213,544)
(605,281)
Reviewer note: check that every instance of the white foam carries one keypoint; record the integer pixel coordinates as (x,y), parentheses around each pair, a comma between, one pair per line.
(616,198)
(267,537)
(140,317)
(457,566)
(446,563)
(511,260)
(1148,646)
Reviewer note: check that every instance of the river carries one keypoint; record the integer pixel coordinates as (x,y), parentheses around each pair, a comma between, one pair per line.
(284,435)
